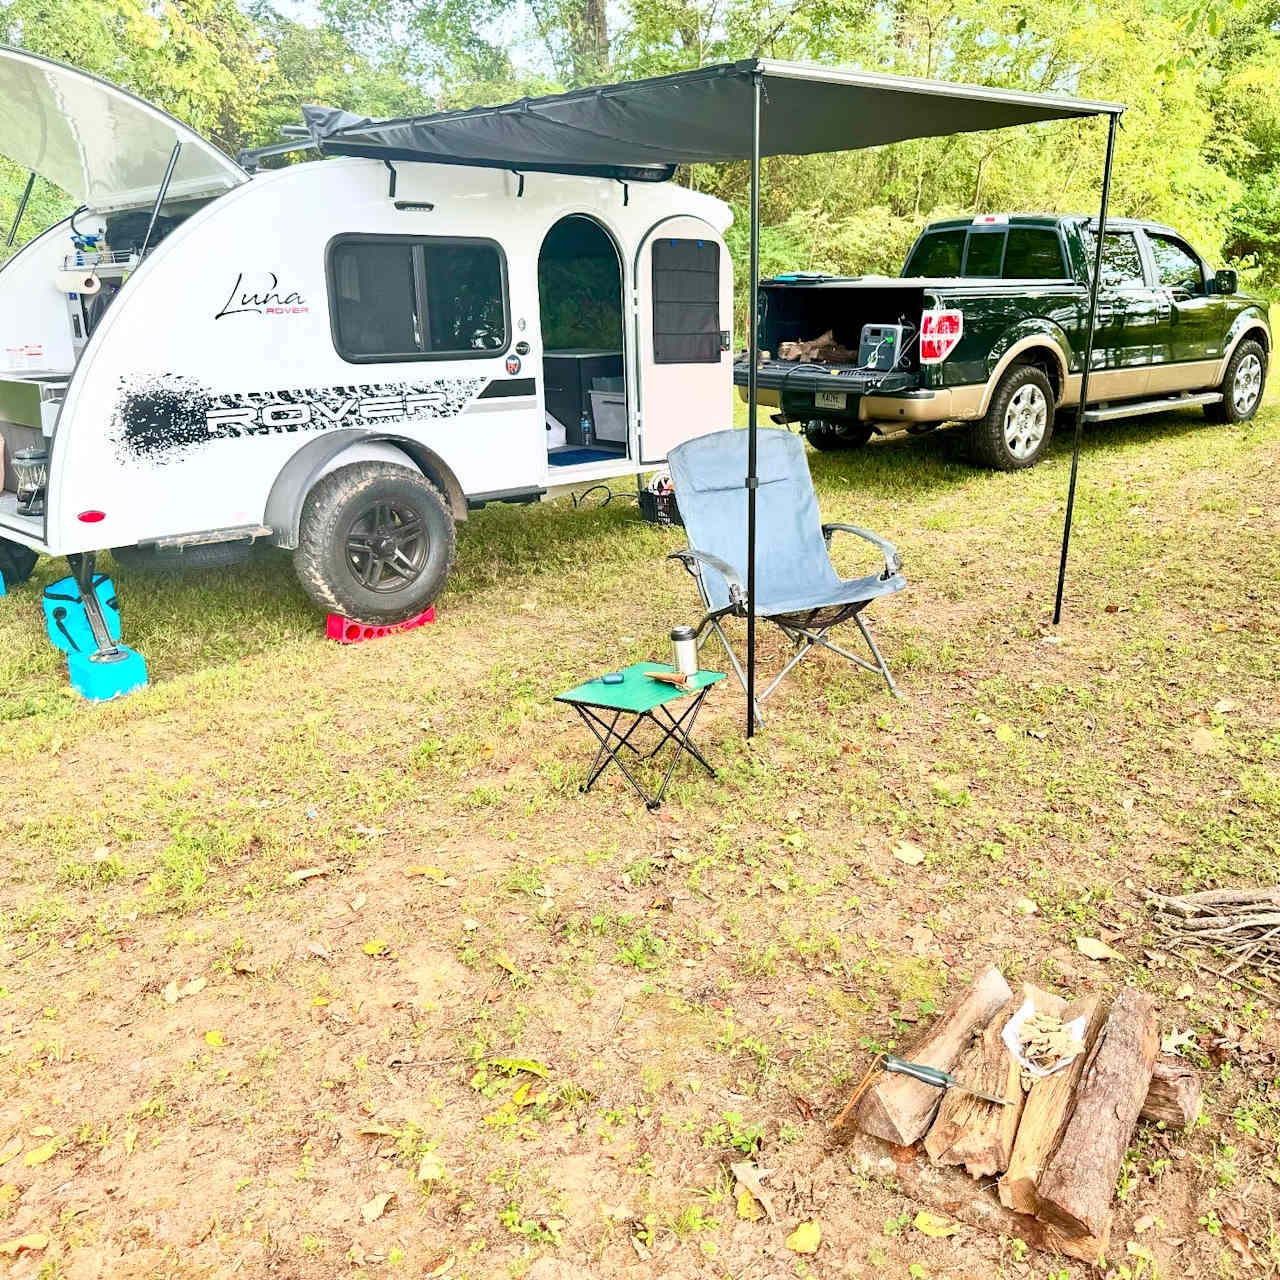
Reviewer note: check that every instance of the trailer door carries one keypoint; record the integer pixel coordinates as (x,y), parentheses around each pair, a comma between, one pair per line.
(684,312)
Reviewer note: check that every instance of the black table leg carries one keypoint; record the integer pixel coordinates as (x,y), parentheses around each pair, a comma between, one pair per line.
(607,753)
(680,734)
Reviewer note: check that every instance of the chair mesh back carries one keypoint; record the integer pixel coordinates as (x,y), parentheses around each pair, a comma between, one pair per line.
(709,474)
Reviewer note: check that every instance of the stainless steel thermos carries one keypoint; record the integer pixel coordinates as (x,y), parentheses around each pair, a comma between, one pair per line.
(684,650)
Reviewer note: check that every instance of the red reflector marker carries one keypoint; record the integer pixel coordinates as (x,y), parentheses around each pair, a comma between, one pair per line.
(91,517)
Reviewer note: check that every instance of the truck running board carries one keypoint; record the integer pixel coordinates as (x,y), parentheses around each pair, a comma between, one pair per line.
(1140,408)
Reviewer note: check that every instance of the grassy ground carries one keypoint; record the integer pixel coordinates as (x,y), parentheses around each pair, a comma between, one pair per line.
(300,928)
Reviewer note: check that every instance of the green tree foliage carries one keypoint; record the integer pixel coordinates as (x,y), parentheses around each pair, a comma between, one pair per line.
(1200,147)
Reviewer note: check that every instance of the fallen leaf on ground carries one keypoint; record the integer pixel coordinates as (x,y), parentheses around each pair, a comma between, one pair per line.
(38,1155)
(932,1224)
(359,900)
(430,1168)
(1005,733)
(1173,1041)
(1184,992)
(749,1209)
(751,1176)
(305,873)
(170,992)
(32,1243)
(375,947)
(377,1131)
(214,1039)
(195,986)
(805,1238)
(440,1265)
(10,1149)
(906,851)
(1025,907)
(373,1209)
(1204,742)
(1096,950)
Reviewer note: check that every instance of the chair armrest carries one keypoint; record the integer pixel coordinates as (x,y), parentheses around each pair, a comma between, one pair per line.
(892,560)
(691,558)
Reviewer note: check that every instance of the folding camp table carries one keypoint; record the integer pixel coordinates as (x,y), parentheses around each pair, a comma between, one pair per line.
(641,699)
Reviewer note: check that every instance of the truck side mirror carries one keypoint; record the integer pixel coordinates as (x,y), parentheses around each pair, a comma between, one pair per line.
(1225,281)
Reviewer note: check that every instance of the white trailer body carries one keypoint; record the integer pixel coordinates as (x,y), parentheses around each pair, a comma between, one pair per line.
(324,315)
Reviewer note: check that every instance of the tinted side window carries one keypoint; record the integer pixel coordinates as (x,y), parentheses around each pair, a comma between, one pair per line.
(465,304)
(1121,261)
(937,254)
(686,302)
(984,253)
(1033,253)
(1176,266)
(373,299)
(416,298)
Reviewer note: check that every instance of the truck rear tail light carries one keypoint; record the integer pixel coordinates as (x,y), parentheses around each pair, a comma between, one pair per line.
(939,333)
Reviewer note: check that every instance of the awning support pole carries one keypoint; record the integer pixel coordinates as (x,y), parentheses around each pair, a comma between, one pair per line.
(1088,363)
(22,208)
(753,355)
(160,195)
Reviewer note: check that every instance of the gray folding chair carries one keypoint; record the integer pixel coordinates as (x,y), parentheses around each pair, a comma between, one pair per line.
(797,588)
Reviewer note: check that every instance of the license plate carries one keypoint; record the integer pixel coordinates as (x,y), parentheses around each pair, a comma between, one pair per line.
(829,399)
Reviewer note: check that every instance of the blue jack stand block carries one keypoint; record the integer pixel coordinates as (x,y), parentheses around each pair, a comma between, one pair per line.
(3,592)
(100,676)
(67,620)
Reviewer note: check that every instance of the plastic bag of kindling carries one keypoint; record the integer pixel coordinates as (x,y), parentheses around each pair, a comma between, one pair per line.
(1067,1038)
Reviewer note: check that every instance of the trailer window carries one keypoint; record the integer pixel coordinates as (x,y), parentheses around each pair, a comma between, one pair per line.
(416,298)
(686,302)
(937,254)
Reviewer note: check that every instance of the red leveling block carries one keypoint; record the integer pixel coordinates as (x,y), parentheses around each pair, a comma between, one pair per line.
(348,631)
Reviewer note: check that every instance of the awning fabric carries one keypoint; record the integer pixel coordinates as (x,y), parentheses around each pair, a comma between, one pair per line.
(97,142)
(641,129)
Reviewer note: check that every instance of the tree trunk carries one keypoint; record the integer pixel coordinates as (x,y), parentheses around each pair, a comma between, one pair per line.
(1045,1116)
(951,1192)
(1174,1094)
(969,1130)
(1075,1190)
(898,1108)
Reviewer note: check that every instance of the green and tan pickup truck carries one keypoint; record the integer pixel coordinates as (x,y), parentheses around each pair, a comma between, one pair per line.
(987,326)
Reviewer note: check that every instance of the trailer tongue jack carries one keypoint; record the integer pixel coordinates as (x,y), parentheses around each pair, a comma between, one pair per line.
(83,620)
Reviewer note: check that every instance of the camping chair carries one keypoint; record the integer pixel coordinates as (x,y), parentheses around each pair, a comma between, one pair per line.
(796,587)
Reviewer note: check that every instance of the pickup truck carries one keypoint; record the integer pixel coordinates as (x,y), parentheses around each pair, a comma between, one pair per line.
(987,326)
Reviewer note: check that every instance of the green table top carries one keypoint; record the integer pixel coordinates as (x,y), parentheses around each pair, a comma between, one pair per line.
(636,692)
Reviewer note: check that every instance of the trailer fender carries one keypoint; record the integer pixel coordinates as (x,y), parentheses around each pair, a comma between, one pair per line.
(339,449)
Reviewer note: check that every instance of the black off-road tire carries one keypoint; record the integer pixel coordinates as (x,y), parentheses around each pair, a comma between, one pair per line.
(17,563)
(324,563)
(210,555)
(1229,410)
(989,438)
(829,437)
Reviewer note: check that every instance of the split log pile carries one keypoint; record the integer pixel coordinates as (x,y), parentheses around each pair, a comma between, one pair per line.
(821,350)
(1058,1147)
(1243,924)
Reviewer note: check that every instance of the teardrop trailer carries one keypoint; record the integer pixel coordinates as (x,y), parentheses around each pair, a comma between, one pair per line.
(339,357)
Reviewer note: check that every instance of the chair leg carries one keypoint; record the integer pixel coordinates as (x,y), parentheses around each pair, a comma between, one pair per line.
(737,670)
(871,644)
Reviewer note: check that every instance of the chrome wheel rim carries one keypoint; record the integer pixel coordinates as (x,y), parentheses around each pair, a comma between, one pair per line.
(1247,386)
(1025,421)
(387,547)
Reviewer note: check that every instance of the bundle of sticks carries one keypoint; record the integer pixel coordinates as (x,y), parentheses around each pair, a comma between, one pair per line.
(821,350)
(1241,923)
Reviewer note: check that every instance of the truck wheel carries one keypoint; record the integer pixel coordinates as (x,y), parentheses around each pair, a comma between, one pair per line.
(830,436)
(17,563)
(203,555)
(1018,424)
(376,542)
(1242,384)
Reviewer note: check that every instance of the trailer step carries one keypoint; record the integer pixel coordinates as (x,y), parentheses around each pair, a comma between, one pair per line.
(239,533)
(1140,408)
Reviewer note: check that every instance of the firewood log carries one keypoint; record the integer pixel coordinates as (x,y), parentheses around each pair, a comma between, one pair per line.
(969,1130)
(1174,1093)
(1076,1187)
(898,1108)
(1045,1115)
